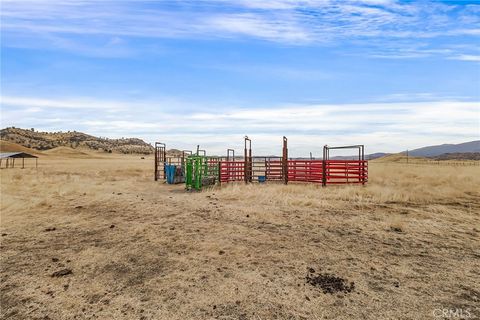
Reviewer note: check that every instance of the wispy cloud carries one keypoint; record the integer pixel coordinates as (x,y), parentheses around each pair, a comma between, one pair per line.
(467,57)
(283,21)
(39,103)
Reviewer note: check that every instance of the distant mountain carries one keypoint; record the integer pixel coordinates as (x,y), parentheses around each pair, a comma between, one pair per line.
(367,156)
(73,139)
(433,151)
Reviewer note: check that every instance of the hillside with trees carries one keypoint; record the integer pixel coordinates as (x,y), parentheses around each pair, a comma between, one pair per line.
(48,140)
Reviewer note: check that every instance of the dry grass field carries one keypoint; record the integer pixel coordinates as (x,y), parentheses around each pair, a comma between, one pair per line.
(97,238)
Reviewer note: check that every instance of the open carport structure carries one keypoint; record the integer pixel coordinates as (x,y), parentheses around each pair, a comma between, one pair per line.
(9,158)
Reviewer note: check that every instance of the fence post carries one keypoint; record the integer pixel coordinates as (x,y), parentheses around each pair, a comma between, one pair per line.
(156,162)
(285,161)
(248,158)
(324,166)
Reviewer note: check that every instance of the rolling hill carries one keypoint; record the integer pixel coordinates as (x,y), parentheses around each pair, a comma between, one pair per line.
(437,150)
(6,146)
(72,139)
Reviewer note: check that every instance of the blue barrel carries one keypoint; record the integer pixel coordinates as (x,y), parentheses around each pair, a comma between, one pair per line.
(170,170)
(262,179)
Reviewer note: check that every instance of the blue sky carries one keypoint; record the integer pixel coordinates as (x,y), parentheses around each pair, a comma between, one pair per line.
(388,74)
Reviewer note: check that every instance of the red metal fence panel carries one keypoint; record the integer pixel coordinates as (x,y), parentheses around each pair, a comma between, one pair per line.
(305,170)
(232,171)
(334,172)
(346,171)
(316,171)
(273,170)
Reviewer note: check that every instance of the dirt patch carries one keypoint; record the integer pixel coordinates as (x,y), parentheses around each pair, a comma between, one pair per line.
(329,283)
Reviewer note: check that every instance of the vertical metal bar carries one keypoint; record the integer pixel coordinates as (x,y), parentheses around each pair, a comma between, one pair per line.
(245,171)
(250,162)
(285,161)
(23,163)
(363,164)
(246,158)
(359,164)
(164,159)
(36,162)
(156,162)
(324,166)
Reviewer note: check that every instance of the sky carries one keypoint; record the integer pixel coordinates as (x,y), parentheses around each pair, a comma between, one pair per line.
(389,74)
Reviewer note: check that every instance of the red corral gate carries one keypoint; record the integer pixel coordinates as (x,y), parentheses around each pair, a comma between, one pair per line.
(324,171)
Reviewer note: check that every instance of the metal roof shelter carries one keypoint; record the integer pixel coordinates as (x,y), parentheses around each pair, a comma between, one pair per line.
(11,156)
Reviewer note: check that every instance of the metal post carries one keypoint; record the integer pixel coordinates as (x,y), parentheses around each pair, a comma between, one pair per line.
(324,166)
(156,162)
(228,154)
(23,163)
(248,159)
(285,161)
(245,155)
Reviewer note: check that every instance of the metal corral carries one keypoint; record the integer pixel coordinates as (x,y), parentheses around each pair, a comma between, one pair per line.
(201,170)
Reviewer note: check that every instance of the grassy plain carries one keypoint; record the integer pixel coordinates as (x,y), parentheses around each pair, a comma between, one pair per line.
(140,249)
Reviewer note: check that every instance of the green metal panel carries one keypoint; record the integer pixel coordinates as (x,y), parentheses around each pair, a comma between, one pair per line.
(201,170)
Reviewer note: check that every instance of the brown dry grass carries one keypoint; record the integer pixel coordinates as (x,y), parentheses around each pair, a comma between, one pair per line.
(409,240)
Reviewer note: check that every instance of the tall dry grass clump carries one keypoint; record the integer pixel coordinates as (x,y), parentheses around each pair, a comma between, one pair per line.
(387,183)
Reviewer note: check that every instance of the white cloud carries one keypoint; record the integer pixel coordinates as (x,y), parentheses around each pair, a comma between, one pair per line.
(467,57)
(62,104)
(385,127)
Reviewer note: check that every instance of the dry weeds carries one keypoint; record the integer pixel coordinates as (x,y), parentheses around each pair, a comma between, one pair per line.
(139,249)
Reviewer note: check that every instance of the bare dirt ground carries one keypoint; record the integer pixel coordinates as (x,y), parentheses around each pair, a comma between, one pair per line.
(99,239)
